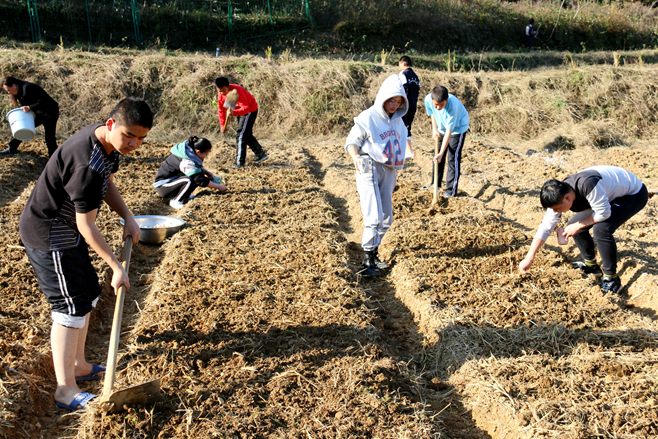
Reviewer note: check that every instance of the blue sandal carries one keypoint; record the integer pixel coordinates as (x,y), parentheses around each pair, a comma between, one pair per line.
(80,400)
(95,374)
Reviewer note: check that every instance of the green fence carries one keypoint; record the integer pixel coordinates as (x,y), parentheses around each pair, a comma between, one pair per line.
(174,23)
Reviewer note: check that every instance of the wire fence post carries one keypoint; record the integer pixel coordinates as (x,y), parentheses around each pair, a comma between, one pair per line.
(185,15)
(308,13)
(35,30)
(135,14)
(269,8)
(230,20)
(88,21)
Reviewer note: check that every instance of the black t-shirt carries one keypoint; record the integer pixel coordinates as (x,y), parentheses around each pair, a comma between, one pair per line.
(411,85)
(582,184)
(75,180)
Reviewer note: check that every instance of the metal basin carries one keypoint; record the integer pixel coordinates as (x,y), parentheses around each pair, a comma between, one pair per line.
(156,228)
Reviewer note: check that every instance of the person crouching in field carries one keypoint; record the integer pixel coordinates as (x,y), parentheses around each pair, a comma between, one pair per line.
(58,224)
(604,198)
(377,144)
(31,97)
(246,110)
(182,172)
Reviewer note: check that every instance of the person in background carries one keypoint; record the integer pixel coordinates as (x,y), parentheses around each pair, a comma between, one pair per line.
(530,33)
(31,97)
(58,224)
(411,85)
(182,172)
(604,198)
(377,144)
(246,110)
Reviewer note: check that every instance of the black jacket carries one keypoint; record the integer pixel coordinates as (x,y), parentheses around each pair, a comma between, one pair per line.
(170,168)
(38,100)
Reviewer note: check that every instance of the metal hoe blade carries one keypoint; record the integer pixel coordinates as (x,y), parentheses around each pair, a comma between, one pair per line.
(141,394)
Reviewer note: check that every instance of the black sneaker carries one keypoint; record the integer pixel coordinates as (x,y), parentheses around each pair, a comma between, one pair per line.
(8,151)
(379,263)
(610,284)
(260,158)
(369,267)
(588,269)
(237,166)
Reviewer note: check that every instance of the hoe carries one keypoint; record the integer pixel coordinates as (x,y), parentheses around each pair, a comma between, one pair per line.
(147,393)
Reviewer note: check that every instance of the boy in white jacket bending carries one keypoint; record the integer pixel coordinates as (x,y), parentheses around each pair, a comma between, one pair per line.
(377,144)
(604,198)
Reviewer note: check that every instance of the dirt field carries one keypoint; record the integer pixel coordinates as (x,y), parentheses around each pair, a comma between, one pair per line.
(256,322)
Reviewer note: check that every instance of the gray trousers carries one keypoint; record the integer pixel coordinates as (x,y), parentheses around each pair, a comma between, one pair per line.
(375,185)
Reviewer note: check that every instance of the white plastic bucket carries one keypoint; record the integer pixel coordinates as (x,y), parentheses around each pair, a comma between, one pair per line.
(22,124)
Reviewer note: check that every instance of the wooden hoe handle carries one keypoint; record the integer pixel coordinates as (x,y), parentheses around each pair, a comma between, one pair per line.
(116,328)
(435,166)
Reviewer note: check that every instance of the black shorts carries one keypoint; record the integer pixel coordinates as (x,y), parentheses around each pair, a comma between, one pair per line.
(67,279)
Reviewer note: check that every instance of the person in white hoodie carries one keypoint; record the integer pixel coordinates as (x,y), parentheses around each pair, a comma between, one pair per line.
(377,144)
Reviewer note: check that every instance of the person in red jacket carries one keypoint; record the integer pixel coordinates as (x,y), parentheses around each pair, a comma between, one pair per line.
(246,110)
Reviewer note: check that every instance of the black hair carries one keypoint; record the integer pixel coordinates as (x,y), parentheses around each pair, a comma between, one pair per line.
(10,81)
(199,144)
(133,111)
(222,81)
(405,59)
(439,93)
(532,20)
(553,192)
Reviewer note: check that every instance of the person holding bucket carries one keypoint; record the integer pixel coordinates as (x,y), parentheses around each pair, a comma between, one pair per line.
(30,97)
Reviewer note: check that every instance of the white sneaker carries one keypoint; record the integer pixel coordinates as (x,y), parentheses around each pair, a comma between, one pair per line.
(176,204)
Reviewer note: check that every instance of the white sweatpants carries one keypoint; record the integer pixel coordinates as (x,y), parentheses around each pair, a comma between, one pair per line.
(375,185)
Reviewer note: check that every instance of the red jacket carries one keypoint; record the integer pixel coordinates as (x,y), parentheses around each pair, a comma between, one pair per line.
(246,103)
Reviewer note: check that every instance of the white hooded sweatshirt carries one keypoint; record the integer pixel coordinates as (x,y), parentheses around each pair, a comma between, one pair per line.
(382,137)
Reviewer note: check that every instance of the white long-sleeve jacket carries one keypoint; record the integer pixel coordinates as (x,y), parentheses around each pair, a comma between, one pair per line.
(382,137)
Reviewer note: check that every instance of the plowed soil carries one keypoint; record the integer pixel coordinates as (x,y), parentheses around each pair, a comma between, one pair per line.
(257,322)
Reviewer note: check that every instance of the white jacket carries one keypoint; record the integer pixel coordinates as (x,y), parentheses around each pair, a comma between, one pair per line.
(382,137)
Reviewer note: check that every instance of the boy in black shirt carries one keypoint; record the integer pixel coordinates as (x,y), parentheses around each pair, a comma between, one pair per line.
(59,221)
(33,98)
(411,85)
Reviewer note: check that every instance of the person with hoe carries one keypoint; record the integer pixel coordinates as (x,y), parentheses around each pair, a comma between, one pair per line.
(450,122)
(31,97)
(377,144)
(246,110)
(58,224)
(604,198)
(411,85)
(182,172)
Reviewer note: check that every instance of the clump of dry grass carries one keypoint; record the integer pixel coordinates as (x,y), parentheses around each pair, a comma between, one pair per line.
(605,391)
